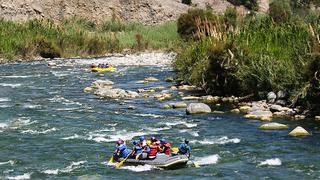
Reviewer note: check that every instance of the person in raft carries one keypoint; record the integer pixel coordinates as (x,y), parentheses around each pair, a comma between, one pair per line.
(121,150)
(93,65)
(154,148)
(165,147)
(137,150)
(184,148)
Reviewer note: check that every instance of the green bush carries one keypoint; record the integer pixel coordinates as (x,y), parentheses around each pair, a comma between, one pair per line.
(230,16)
(280,11)
(188,2)
(47,49)
(195,19)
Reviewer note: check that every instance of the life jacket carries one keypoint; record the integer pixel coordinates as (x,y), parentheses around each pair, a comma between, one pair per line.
(153,150)
(123,151)
(137,150)
(166,148)
(184,148)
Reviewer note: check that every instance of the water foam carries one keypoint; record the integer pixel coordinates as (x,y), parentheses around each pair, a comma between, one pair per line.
(188,125)
(64,101)
(271,162)
(5,99)
(222,140)
(20,177)
(29,131)
(212,159)
(20,122)
(149,115)
(10,85)
(73,166)
(139,168)
(8,162)
(3,125)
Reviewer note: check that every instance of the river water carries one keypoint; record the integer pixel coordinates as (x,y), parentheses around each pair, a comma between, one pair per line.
(51,129)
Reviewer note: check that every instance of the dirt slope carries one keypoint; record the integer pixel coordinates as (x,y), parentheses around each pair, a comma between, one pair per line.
(146,11)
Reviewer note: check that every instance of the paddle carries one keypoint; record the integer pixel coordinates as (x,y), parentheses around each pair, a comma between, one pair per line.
(111,159)
(123,161)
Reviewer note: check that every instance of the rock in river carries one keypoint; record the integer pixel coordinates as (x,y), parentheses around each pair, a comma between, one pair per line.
(299,131)
(102,84)
(273,126)
(263,115)
(151,79)
(196,108)
(178,105)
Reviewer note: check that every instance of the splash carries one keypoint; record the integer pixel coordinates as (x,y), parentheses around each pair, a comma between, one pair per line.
(271,162)
(8,162)
(20,177)
(73,166)
(213,159)
(140,168)
(149,115)
(5,99)
(222,140)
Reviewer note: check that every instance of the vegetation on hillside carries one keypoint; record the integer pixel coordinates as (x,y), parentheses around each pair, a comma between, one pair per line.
(232,55)
(79,37)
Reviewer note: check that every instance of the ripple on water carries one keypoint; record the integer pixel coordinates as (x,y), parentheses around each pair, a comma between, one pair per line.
(11,162)
(73,166)
(30,131)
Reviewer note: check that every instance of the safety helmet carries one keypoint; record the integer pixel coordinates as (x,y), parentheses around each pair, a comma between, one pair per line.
(142,138)
(120,141)
(153,139)
(186,141)
(163,141)
(135,142)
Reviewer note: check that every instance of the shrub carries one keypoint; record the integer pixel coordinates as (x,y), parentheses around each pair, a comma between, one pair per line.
(230,16)
(195,19)
(280,11)
(188,2)
(47,49)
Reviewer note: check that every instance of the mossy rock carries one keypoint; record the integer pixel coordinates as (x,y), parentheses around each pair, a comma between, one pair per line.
(273,126)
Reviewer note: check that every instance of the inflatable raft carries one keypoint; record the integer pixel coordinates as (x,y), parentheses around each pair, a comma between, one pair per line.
(162,161)
(109,69)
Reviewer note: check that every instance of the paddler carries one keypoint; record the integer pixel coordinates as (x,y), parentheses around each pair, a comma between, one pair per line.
(93,65)
(154,148)
(137,150)
(165,147)
(184,148)
(122,151)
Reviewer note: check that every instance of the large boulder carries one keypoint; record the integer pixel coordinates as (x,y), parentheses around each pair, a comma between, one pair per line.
(263,115)
(282,95)
(273,126)
(102,84)
(299,131)
(271,97)
(196,108)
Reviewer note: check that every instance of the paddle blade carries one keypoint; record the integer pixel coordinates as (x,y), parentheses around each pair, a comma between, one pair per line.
(111,159)
(120,163)
(196,165)
(175,149)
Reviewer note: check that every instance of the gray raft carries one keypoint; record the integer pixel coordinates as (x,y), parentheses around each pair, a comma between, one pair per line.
(161,161)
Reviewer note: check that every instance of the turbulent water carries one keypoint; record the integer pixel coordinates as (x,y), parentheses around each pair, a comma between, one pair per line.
(49,128)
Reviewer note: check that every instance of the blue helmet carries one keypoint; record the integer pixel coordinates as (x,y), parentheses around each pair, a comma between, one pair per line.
(163,141)
(135,142)
(141,138)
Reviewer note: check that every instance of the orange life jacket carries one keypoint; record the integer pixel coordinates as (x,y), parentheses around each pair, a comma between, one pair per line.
(153,150)
(166,148)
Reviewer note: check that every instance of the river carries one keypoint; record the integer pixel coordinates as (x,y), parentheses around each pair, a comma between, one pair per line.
(51,129)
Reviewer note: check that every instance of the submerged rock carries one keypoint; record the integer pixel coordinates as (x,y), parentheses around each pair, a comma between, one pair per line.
(235,111)
(299,131)
(102,84)
(88,89)
(196,108)
(141,82)
(166,106)
(178,105)
(151,79)
(273,126)
(187,88)
(169,79)
(210,99)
